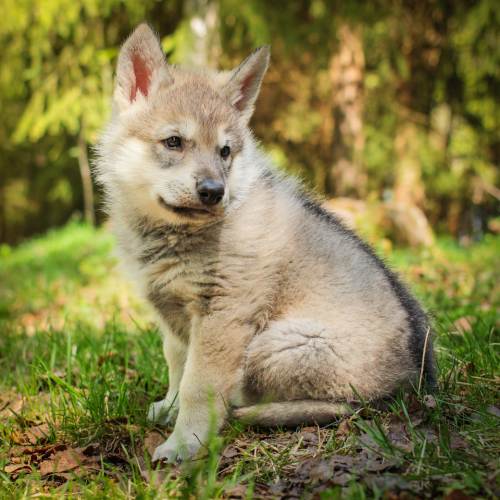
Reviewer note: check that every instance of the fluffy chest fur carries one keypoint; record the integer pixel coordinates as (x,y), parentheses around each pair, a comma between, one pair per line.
(176,270)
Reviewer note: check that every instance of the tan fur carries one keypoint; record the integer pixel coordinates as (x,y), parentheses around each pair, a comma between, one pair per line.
(263,297)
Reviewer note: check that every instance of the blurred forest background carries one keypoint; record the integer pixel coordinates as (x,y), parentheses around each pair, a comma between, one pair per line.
(391,107)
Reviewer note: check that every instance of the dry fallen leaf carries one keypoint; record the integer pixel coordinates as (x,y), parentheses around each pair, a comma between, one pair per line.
(16,469)
(237,491)
(155,477)
(398,433)
(309,437)
(319,472)
(152,441)
(368,444)
(457,442)
(38,434)
(344,428)
(415,412)
(58,463)
(458,495)
(277,488)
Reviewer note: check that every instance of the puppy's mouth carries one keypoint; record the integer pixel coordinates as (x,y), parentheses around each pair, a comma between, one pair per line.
(191,212)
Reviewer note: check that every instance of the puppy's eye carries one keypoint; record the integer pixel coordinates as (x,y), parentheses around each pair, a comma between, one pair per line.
(173,142)
(224,152)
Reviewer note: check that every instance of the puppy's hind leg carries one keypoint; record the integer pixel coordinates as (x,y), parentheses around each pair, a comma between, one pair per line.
(291,375)
(165,411)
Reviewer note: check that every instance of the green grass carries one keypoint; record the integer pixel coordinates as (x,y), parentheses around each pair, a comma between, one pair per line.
(79,347)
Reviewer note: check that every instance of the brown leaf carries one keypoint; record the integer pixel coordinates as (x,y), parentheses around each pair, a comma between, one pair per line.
(431,435)
(341,478)
(368,444)
(152,441)
(320,472)
(301,474)
(397,431)
(28,407)
(445,479)
(378,464)
(295,492)
(342,461)
(457,442)
(236,491)
(458,495)
(155,477)
(231,452)
(310,437)
(415,412)
(308,429)
(277,488)
(17,468)
(39,434)
(399,434)
(306,465)
(58,463)
(386,482)
(344,429)
(16,436)
(63,461)
(40,452)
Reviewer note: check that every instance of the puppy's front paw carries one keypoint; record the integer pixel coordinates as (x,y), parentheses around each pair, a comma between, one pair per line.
(176,449)
(163,412)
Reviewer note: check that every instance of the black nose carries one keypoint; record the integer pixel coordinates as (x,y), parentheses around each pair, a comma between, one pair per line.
(210,192)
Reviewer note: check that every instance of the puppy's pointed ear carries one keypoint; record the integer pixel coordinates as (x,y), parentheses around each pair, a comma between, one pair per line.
(142,68)
(242,87)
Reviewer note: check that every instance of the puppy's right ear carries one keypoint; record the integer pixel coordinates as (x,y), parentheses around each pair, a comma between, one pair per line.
(142,68)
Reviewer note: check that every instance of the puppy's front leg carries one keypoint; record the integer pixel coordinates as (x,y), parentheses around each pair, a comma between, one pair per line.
(214,367)
(165,411)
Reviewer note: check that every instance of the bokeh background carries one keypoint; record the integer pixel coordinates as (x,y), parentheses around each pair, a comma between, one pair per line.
(392,107)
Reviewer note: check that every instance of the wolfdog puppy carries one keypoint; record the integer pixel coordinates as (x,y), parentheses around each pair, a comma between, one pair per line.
(268,305)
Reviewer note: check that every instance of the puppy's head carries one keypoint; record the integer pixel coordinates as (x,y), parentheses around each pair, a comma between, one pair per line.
(173,147)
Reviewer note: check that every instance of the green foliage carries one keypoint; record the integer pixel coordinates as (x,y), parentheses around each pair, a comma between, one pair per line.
(432,63)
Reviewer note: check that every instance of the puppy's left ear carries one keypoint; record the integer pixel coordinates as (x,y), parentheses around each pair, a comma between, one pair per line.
(242,87)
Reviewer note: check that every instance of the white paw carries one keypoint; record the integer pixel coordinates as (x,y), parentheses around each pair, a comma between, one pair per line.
(163,412)
(175,449)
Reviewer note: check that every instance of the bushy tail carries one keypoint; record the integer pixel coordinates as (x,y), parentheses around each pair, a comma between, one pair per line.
(292,413)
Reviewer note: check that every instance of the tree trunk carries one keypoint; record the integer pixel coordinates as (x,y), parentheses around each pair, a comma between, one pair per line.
(83,161)
(408,185)
(347,176)
(204,48)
